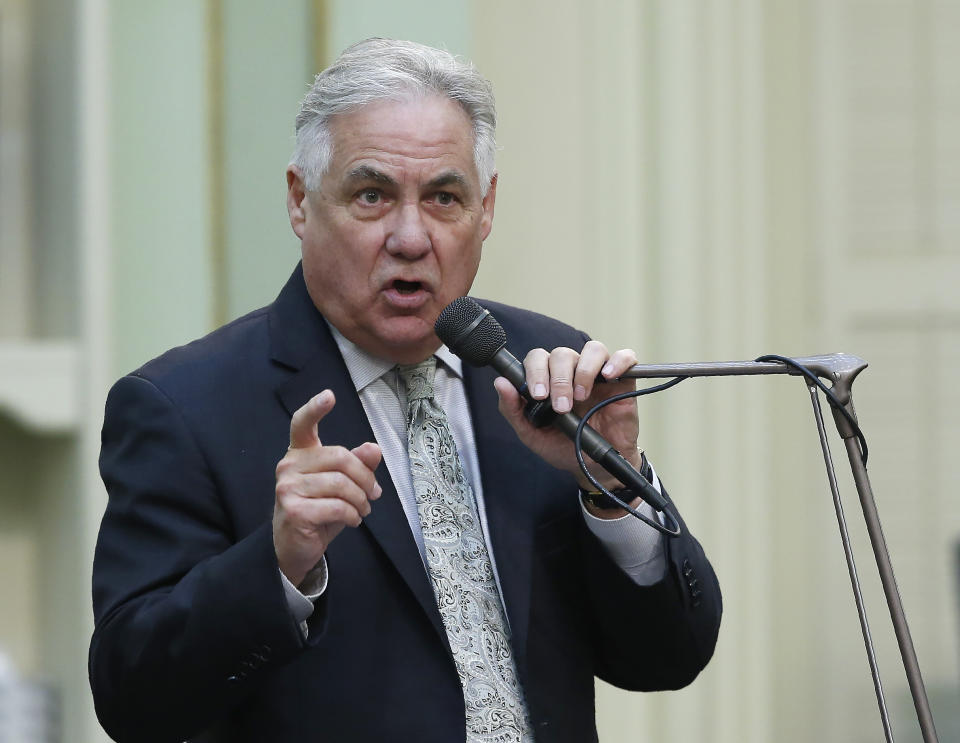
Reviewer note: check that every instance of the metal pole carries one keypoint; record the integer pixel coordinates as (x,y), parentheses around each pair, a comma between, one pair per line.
(851,565)
(892,593)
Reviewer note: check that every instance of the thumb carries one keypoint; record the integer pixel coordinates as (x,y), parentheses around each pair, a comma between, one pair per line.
(510,403)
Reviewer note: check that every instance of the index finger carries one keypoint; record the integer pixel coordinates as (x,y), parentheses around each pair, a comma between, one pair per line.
(303,424)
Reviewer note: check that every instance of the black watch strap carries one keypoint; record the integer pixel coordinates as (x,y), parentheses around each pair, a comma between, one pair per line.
(599,499)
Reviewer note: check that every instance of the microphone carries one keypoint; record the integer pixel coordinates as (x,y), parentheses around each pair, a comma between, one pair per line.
(471,332)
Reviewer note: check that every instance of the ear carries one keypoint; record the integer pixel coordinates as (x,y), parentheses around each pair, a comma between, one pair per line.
(486,221)
(296,195)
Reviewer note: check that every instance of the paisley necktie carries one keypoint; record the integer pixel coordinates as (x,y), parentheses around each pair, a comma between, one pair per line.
(460,570)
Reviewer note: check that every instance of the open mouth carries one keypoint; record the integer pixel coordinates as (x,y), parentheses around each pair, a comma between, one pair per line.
(406,287)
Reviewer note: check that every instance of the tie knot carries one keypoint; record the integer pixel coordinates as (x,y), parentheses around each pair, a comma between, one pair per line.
(418,379)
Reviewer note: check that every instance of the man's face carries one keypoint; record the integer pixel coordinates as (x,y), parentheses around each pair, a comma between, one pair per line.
(394,233)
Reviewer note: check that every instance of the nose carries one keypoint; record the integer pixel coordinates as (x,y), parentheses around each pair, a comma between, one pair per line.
(408,237)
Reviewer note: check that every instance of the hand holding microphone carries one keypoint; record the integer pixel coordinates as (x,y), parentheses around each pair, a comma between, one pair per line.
(473,334)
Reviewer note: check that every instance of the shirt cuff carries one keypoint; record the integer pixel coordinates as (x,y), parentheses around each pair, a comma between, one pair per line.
(301,601)
(636,547)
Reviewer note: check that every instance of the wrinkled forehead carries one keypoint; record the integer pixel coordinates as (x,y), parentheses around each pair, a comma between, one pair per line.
(428,103)
(422,129)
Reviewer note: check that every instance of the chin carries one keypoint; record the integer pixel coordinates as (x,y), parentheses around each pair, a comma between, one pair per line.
(408,340)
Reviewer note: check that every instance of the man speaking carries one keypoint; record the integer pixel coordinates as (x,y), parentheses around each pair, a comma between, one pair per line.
(322,526)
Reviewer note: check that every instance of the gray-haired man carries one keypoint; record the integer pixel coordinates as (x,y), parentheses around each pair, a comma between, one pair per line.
(425,575)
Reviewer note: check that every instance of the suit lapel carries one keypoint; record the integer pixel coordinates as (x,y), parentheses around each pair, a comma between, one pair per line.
(301,340)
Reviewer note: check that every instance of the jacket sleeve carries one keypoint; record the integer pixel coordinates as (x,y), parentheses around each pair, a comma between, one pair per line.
(658,636)
(643,638)
(188,615)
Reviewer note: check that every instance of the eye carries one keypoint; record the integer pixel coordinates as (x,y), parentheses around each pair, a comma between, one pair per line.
(370,196)
(445,198)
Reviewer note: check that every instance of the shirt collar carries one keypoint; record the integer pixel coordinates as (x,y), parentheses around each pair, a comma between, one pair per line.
(366,368)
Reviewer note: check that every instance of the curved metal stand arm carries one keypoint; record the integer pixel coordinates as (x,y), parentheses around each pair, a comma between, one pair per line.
(840,370)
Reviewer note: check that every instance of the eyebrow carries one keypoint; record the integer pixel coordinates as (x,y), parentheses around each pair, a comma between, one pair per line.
(367,173)
(450,178)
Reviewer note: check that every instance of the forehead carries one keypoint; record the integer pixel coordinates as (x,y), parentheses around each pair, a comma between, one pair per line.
(424,134)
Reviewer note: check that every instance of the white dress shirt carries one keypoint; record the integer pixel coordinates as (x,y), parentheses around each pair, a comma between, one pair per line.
(634,546)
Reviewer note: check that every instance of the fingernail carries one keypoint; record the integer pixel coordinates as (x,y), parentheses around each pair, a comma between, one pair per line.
(562,405)
(607,370)
(580,392)
(539,390)
(377,491)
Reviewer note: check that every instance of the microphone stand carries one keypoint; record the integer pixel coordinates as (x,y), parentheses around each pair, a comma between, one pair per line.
(839,370)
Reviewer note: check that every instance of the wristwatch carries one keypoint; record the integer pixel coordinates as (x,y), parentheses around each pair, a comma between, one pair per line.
(599,499)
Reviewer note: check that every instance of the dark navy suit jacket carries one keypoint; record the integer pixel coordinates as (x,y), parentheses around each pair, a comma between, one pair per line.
(193,636)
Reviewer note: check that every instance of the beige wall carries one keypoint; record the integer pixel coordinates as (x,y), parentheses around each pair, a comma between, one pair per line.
(698,180)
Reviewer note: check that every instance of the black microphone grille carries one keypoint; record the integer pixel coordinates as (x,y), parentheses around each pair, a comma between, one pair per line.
(470,331)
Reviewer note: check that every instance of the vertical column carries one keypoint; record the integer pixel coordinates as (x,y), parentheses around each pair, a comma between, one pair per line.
(160,177)
(797,498)
(264,72)
(16,269)
(85,497)
(710,144)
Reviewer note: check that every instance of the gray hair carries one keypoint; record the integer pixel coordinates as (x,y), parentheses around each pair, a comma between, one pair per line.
(385,69)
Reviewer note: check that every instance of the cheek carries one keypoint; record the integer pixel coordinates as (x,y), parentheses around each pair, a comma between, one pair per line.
(344,253)
(460,266)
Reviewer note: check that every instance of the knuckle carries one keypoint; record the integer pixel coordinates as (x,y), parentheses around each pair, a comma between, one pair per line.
(339,455)
(338,481)
(285,489)
(284,466)
(560,381)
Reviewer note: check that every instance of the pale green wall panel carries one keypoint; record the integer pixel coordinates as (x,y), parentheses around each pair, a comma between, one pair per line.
(266,70)
(54,143)
(159,181)
(446,25)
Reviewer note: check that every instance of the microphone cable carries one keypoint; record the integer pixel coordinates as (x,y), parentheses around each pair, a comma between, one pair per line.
(668,512)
